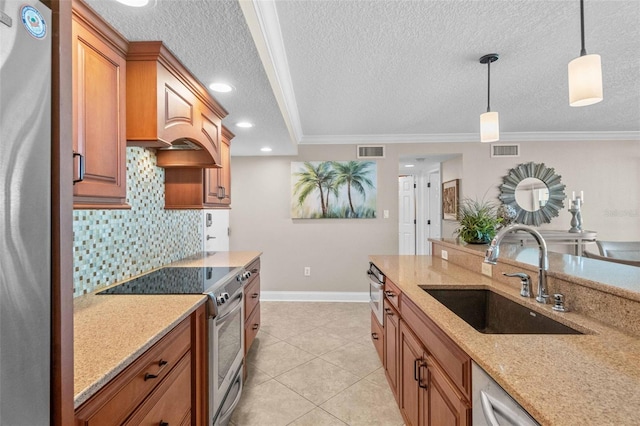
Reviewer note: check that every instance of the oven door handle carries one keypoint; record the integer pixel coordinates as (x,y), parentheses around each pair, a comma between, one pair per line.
(234,309)
(376,285)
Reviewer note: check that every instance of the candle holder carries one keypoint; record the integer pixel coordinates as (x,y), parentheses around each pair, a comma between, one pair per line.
(576,216)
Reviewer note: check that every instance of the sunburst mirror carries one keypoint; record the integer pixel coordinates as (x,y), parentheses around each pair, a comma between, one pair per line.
(535,191)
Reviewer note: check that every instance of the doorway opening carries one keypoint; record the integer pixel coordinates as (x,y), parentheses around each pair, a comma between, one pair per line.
(419,202)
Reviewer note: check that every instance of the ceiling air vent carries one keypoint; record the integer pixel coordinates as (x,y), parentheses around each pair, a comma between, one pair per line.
(370,151)
(512,150)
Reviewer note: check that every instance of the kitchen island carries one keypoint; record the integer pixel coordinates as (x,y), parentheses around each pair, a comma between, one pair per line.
(112,331)
(589,379)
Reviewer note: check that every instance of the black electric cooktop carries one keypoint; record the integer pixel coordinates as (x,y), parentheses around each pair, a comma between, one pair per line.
(173,281)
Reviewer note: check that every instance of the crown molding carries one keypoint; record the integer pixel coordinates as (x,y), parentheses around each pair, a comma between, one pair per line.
(471,137)
(264,25)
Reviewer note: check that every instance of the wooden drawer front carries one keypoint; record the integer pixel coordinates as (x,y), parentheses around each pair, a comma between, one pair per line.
(115,401)
(392,293)
(377,336)
(453,360)
(170,402)
(251,328)
(251,297)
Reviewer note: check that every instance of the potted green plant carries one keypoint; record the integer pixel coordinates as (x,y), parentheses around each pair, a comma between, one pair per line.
(478,221)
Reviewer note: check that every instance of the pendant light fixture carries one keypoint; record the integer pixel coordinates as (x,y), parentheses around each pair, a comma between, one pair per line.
(489,122)
(585,74)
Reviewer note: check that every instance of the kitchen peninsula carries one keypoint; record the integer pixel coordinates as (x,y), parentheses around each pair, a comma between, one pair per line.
(559,379)
(114,333)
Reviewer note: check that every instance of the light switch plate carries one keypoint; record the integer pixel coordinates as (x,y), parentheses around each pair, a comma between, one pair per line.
(385,214)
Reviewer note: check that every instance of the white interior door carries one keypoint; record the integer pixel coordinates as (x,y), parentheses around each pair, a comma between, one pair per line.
(216,230)
(407,215)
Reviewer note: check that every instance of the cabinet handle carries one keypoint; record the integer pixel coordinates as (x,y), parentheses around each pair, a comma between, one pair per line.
(162,362)
(374,336)
(163,423)
(389,293)
(388,311)
(422,364)
(255,270)
(255,326)
(80,167)
(415,369)
(148,376)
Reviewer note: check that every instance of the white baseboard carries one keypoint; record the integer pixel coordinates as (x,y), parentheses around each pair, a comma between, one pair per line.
(314,296)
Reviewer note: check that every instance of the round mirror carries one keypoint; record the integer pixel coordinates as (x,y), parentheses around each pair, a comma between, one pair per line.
(534,191)
(532,194)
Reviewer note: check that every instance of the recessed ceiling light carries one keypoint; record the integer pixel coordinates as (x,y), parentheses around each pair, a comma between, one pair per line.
(134,3)
(266,149)
(221,87)
(244,124)
(409,165)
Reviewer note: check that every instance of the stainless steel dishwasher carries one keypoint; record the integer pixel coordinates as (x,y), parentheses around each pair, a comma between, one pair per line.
(492,405)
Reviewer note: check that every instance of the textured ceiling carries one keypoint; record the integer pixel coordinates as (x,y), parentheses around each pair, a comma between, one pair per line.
(342,71)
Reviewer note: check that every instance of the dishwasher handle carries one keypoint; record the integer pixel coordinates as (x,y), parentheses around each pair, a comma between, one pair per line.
(491,405)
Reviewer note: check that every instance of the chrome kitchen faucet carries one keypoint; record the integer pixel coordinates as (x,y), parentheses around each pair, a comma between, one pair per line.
(491,256)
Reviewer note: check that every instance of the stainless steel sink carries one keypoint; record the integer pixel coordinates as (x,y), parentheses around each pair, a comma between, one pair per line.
(490,313)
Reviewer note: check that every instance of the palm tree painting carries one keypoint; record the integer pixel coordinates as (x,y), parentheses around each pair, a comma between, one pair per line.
(333,189)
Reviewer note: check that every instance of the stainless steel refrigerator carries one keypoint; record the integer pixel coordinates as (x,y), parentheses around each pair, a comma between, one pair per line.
(25,213)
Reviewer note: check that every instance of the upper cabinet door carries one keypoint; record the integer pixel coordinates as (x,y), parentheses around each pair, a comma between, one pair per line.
(99,117)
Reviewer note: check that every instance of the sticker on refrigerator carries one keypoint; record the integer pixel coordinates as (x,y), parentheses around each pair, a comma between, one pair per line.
(34,22)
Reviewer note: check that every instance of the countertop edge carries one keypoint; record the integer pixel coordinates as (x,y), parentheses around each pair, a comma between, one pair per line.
(94,387)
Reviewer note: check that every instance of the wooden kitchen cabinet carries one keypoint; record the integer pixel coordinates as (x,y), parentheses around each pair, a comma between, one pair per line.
(251,305)
(201,188)
(391,336)
(99,110)
(167,106)
(412,385)
(446,404)
(164,384)
(430,376)
(217,191)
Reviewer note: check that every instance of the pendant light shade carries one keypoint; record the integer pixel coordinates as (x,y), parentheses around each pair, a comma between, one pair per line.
(585,74)
(489,127)
(585,81)
(489,121)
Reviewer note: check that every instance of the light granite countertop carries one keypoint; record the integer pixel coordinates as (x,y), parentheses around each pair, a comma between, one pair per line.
(111,331)
(590,379)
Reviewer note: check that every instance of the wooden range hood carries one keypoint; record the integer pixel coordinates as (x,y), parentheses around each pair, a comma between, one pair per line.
(168,109)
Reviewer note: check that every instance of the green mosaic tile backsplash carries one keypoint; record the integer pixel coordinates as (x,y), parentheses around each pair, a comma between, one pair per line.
(112,245)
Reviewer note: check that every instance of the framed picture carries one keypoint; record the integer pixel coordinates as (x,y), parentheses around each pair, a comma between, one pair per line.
(333,189)
(450,199)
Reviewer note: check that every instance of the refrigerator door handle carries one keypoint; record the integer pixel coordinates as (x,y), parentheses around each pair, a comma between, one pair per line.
(80,167)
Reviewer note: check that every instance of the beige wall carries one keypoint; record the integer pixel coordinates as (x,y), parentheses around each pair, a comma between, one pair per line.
(337,250)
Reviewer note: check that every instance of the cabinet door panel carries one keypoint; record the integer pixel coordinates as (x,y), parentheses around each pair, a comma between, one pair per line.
(377,336)
(447,406)
(99,74)
(391,333)
(412,375)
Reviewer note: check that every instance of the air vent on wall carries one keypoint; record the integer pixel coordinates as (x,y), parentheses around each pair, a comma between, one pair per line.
(512,150)
(370,151)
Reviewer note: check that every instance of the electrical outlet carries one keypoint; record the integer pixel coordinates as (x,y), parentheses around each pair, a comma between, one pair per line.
(385,214)
(307,271)
(487,269)
(444,254)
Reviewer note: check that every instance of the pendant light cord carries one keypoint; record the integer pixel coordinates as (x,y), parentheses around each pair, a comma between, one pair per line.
(583,51)
(489,86)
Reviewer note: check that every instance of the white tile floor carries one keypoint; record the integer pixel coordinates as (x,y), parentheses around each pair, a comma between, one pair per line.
(313,364)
